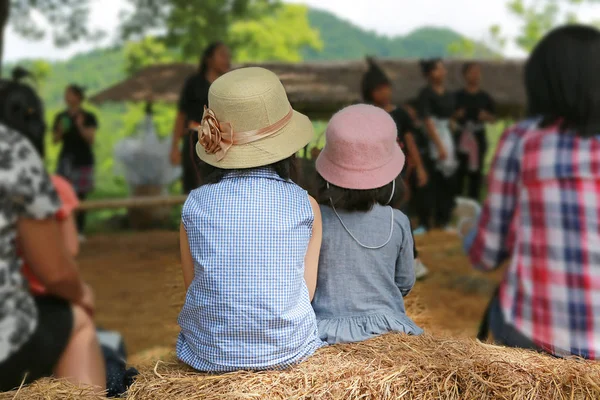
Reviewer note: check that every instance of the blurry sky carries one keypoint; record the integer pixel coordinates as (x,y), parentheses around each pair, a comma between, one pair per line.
(391,17)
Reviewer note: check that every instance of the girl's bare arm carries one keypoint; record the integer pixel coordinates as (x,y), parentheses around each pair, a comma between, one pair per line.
(187,262)
(311,260)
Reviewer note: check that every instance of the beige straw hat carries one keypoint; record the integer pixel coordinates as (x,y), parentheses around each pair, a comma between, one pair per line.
(249,122)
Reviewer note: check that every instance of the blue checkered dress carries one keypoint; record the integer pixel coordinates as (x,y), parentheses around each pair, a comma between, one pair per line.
(248,306)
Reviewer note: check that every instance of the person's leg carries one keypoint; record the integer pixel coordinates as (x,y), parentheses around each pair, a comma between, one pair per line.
(420,270)
(462,173)
(505,334)
(447,199)
(443,199)
(81,215)
(423,205)
(424,198)
(476,177)
(82,362)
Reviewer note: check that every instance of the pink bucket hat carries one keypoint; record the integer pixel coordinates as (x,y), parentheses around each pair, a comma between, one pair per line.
(360,150)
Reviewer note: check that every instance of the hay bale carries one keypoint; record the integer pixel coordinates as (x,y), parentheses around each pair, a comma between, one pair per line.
(51,389)
(389,367)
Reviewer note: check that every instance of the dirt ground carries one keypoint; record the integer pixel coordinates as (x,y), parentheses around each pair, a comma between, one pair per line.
(139,287)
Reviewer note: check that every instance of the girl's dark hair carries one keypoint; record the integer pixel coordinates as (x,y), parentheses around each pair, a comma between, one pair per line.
(468,65)
(372,79)
(207,55)
(286,169)
(561,79)
(428,66)
(78,90)
(357,200)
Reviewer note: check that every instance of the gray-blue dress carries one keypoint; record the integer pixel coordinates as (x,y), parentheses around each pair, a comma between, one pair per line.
(360,291)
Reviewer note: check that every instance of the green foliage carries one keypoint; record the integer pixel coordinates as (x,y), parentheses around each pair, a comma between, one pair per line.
(464,48)
(276,36)
(40,70)
(279,36)
(538,17)
(67,19)
(191,25)
(491,47)
(148,51)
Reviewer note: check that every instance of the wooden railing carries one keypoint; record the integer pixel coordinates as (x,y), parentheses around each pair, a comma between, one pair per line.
(132,202)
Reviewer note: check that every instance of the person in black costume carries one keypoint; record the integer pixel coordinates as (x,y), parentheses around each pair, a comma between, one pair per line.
(479,108)
(76,129)
(437,109)
(377,90)
(215,61)
(421,201)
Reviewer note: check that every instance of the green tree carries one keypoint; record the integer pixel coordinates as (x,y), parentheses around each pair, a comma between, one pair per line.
(190,25)
(490,47)
(67,20)
(539,17)
(148,51)
(535,17)
(464,48)
(41,71)
(278,34)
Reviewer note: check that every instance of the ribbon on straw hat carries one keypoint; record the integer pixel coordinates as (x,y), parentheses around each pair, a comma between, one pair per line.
(217,137)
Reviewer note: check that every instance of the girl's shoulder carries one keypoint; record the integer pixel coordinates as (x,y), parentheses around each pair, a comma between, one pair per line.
(400,218)
(199,194)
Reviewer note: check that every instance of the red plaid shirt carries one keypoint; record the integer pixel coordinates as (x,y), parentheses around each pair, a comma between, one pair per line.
(543,213)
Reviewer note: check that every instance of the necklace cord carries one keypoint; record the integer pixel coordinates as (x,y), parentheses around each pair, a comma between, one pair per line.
(354,237)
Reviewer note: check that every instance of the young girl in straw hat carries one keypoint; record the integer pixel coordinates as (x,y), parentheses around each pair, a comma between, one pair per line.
(366,262)
(250,237)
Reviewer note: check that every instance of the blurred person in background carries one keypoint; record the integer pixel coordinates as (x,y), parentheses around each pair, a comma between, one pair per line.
(76,129)
(53,334)
(541,212)
(215,61)
(437,108)
(479,109)
(421,200)
(377,91)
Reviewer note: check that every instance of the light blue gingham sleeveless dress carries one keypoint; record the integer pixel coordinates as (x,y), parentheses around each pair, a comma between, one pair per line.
(248,306)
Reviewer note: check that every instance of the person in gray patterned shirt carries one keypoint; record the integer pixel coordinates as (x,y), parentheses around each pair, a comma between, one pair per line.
(53,334)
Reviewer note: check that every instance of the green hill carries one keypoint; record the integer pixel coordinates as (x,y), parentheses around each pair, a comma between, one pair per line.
(427,42)
(345,41)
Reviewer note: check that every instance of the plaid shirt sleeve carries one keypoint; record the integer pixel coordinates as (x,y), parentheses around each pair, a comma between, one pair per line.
(495,233)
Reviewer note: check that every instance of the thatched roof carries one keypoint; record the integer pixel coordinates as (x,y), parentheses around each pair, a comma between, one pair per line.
(319,89)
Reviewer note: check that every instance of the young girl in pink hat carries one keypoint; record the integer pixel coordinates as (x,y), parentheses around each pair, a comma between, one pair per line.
(366,264)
